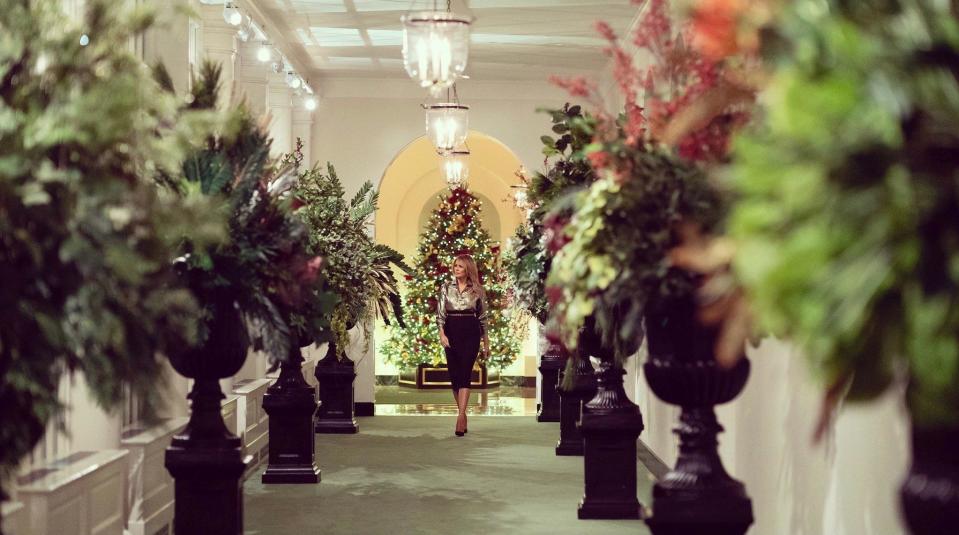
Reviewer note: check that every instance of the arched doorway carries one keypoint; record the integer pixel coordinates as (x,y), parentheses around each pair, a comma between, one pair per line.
(413,180)
(410,188)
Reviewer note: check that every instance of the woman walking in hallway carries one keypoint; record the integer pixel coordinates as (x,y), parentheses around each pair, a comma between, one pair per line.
(461,315)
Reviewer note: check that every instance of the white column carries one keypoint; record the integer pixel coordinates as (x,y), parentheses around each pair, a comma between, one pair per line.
(364,386)
(253,78)
(280,102)
(303,129)
(169,42)
(219,44)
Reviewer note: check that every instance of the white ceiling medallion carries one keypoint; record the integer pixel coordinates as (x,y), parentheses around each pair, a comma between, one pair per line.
(436,47)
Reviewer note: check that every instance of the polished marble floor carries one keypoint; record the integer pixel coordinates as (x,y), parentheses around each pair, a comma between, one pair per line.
(501,401)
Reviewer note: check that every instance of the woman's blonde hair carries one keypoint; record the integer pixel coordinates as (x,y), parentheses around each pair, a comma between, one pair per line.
(472,273)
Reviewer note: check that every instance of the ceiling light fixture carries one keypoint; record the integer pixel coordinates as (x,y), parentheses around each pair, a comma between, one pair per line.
(231,14)
(293,80)
(264,53)
(456,168)
(246,32)
(447,123)
(435,47)
(309,103)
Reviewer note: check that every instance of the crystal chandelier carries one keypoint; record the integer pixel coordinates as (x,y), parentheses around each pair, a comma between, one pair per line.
(456,167)
(435,47)
(447,124)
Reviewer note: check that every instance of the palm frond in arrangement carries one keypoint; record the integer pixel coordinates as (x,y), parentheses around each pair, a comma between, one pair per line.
(264,267)
(364,203)
(358,270)
(386,297)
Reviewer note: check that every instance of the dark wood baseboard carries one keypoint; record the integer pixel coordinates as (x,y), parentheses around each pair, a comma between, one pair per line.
(364,408)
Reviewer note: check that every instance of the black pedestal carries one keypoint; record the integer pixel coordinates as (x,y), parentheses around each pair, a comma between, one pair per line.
(336,414)
(291,404)
(698,497)
(610,425)
(550,366)
(930,492)
(571,407)
(207,462)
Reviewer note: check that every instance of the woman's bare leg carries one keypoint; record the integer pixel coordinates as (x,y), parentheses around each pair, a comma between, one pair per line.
(462,402)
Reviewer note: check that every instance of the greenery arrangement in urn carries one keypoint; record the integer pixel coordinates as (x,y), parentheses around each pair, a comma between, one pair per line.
(530,262)
(847,226)
(86,237)
(358,270)
(264,269)
(613,255)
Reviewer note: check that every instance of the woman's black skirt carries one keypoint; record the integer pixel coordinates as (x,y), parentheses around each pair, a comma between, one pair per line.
(463,331)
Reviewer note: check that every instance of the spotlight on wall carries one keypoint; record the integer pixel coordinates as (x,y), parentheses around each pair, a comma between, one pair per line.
(264,53)
(245,32)
(232,15)
(309,103)
(293,80)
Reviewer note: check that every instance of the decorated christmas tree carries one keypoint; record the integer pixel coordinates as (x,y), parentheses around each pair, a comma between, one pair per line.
(453,229)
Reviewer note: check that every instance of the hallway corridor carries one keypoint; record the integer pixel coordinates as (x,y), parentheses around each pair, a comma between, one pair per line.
(410,475)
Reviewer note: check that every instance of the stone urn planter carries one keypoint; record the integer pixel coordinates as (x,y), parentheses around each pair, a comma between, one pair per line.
(206,460)
(930,491)
(581,389)
(291,404)
(610,425)
(697,497)
(551,365)
(337,411)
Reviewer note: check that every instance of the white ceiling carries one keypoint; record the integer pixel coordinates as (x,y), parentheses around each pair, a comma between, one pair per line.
(511,39)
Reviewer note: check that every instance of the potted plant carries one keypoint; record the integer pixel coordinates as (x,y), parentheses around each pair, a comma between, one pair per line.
(358,272)
(244,284)
(848,195)
(86,237)
(614,268)
(531,261)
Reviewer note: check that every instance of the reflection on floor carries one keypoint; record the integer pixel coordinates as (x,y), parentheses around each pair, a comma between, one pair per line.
(501,401)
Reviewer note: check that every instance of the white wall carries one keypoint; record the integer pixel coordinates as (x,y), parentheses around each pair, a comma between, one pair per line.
(362,124)
(846,485)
